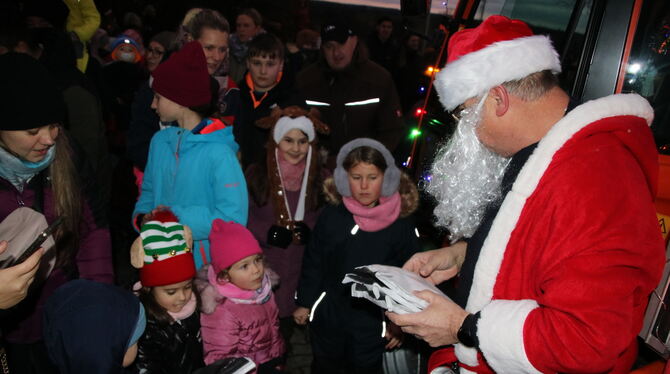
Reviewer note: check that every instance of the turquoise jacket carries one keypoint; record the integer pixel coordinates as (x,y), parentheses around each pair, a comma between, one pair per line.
(199,177)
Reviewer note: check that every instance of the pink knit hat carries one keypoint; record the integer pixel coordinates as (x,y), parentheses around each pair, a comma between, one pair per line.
(230,242)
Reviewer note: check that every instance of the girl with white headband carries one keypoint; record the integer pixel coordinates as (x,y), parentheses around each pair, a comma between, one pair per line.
(368,222)
(285,197)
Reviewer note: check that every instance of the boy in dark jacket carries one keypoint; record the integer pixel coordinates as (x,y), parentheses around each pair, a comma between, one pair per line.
(264,86)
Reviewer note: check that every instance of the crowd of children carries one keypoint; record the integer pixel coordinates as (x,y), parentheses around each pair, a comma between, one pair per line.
(241,228)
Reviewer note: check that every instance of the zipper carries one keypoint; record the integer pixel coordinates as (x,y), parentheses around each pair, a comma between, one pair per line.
(176,166)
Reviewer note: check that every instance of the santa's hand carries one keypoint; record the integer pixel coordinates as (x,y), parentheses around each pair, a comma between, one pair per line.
(437,325)
(438,265)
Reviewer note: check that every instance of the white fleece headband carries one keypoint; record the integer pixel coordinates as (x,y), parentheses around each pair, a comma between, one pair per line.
(391,175)
(286,124)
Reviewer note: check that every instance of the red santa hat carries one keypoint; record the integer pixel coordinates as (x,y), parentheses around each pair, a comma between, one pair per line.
(499,50)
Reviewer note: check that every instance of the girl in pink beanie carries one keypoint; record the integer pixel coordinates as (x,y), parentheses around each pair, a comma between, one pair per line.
(240,318)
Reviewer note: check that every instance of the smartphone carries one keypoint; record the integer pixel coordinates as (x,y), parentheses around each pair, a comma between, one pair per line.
(37,243)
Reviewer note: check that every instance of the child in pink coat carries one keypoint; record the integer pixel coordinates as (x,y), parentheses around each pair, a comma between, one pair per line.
(240,316)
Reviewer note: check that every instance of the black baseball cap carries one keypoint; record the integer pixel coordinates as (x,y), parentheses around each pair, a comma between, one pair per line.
(338,31)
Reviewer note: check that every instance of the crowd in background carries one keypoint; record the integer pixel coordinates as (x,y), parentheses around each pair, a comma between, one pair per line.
(223,154)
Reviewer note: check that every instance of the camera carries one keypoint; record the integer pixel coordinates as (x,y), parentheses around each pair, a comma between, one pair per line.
(282,237)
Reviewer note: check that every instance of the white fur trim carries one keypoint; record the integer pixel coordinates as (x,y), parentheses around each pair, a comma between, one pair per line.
(474,74)
(442,370)
(286,124)
(495,244)
(500,332)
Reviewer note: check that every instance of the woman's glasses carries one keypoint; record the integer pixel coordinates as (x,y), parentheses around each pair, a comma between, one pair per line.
(457,114)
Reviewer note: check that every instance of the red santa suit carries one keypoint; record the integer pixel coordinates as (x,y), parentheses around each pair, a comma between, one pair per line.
(564,275)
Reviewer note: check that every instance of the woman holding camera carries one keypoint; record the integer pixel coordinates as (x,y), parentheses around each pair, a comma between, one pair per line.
(285,197)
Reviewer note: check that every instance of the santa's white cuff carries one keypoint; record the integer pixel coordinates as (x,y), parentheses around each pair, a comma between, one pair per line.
(500,333)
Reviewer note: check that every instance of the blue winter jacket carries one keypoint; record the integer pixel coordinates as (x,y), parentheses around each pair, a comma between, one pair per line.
(199,177)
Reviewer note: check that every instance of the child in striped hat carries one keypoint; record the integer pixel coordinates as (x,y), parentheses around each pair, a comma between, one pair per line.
(162,252)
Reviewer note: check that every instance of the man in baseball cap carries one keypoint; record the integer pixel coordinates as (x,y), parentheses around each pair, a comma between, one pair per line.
(354,95)
(554,200)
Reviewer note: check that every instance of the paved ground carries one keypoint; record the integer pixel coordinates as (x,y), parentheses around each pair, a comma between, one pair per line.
(299,352)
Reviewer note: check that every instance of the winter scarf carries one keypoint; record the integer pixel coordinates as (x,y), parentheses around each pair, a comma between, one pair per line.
(238,295)
(291,175)
(186,311)
(376,218)
(19,172)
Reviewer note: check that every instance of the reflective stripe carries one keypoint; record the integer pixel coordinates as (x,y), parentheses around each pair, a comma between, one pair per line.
(354,230)
(316,103)
(364,102)
(383,329)
(311,315)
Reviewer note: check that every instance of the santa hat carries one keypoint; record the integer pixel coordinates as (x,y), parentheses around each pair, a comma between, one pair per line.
(183,78)
(499,50)
(163,251)
(230,242)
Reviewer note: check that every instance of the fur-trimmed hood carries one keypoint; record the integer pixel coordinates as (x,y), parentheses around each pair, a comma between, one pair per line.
(409,195)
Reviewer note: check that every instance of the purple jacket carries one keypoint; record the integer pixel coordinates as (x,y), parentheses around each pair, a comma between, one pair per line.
(242,330)
(93,260)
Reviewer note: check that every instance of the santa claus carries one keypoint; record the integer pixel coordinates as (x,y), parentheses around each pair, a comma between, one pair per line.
(549,207)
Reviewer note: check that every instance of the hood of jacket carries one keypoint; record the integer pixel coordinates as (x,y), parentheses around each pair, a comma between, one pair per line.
(87,326)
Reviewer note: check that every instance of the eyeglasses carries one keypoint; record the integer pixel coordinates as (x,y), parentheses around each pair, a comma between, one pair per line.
(157,52)
(457,114)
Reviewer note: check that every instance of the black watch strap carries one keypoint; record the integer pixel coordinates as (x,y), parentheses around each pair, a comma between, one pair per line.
(467,333)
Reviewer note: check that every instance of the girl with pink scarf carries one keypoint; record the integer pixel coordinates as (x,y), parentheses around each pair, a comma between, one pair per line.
(239,314)
(369,222)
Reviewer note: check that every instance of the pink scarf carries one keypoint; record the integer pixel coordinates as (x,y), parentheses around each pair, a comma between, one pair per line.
(291,175)
(186,311)
(238,295)
(376,218)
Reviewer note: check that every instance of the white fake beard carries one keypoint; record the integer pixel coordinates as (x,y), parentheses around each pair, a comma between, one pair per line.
(465,177)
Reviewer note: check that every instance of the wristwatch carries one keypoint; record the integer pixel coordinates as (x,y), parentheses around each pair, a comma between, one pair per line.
(467,333)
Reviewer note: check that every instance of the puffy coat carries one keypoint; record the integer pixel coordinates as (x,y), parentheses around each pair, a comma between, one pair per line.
(199,178)
(242,330)
(175,348)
